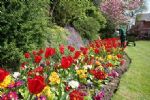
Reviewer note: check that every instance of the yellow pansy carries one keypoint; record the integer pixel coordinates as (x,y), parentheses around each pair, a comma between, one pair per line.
(109,57)
(54,78)
(82,73)
(6,81)
(46,92)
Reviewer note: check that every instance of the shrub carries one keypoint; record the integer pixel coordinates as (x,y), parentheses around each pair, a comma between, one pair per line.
(22,27)
(66,11)
(87,27)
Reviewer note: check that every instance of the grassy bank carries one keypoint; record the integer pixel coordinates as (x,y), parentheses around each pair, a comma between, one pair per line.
(135,83)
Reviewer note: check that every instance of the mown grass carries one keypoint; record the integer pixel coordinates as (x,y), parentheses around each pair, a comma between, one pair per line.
(135,83)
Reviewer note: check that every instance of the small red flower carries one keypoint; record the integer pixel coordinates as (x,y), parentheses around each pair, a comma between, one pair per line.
(37,59)
(100,75)
(96,51)
(84,50)
(93,71)
(49,52)
(27,55)
(23,65)
(122,62)
(109,64)
(34,52)
(97,45)
(77,95)
(66,62)
(71,48)
(119,56)
(47,62)
(61,49)
(77,54)
(38,69)
(41,51)
(67,88)
(3,74)
(36,84)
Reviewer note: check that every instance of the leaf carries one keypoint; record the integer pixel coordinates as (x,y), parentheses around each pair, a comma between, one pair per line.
(88,98)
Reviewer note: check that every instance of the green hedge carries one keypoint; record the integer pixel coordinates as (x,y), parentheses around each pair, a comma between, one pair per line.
(22,28)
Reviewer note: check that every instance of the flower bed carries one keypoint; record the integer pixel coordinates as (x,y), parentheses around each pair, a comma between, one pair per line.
(77,75)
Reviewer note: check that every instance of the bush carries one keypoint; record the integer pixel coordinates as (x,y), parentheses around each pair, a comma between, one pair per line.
(109,29)
(22,28)
(66,12)
(87,27)
(97,15)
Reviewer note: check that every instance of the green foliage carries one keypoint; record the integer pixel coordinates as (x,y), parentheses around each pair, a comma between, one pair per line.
(22,27)
(85,17)
(97,15)
(56,37)
(87,27)
(67,11)
(109,29)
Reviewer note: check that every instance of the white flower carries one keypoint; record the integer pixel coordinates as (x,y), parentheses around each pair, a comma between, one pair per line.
(87,66)
(16,75)
(73,84)
(76,67)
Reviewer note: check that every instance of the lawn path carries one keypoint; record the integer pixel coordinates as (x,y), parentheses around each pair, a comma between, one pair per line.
(135,83)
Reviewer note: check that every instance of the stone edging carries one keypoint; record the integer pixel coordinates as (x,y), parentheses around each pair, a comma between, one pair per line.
(112,86)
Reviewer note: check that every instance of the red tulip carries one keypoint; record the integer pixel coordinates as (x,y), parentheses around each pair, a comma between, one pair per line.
(61,49)
(34,52)
(27,55)
(84,50)
(77,95)
(38,69)
(119,56)
(49,52)
(96,51)
(109,64)
(66,62)
(100,75)
(36,84)
(47,62)
(71,48)
(40,51)
(77,54)
(3,74)
(37,59)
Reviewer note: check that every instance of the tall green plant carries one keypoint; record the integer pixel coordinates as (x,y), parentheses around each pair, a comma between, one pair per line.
(23,26)
(66,11)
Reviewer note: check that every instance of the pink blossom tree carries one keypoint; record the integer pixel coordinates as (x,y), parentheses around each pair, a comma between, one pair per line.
(114,9)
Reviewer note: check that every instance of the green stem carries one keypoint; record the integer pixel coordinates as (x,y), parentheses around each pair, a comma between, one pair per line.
(30,97)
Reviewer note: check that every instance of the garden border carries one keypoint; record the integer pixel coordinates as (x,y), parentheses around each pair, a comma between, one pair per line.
(111,88)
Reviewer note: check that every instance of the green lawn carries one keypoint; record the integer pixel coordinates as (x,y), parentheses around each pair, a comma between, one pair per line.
(135,83)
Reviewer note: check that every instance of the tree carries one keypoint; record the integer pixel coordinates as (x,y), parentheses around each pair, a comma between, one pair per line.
(115,9)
